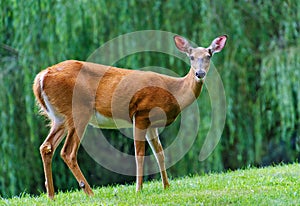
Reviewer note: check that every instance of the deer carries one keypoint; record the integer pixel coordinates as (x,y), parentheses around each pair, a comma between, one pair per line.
(73,94)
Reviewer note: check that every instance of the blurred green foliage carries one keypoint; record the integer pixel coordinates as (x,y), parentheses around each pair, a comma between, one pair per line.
(260,69)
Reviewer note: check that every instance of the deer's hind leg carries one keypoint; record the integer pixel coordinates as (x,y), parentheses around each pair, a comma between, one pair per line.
(69,151)
(47,149)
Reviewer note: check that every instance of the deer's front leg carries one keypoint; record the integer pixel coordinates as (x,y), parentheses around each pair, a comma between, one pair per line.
(153,139)
(139,148)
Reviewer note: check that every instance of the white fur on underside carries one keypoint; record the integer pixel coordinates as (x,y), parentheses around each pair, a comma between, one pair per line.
(100,121)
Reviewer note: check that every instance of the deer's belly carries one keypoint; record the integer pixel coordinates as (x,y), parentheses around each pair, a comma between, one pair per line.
(101,121)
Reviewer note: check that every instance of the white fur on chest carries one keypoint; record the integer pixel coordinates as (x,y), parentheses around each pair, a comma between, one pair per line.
(100,121)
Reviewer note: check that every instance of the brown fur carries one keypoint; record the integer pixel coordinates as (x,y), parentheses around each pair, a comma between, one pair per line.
(113,92)
(77,89)
(72,92)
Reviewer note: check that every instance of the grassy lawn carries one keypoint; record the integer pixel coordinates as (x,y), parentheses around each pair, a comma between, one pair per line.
(278,185)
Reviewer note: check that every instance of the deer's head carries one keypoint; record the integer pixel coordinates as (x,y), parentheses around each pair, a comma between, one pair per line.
(200,56)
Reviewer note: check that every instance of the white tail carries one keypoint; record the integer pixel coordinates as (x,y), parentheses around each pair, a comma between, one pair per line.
(74,94)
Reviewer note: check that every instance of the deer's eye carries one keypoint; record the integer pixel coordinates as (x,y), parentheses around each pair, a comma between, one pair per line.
(192,58)
(210,52)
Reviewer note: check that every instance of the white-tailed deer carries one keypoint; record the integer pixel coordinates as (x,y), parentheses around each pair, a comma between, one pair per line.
(73,94)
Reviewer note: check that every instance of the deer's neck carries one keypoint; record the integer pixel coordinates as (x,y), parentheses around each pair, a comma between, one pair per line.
(189,89)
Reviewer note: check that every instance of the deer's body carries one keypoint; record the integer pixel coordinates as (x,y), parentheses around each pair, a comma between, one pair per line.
(105,93)
(74,94)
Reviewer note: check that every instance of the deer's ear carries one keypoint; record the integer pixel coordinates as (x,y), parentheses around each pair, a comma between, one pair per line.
(182,44)
(218,44)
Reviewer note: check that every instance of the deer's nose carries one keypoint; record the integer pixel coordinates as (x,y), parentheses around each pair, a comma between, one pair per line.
(200,74)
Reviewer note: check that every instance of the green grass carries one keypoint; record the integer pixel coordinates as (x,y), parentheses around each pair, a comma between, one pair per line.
(278,185)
